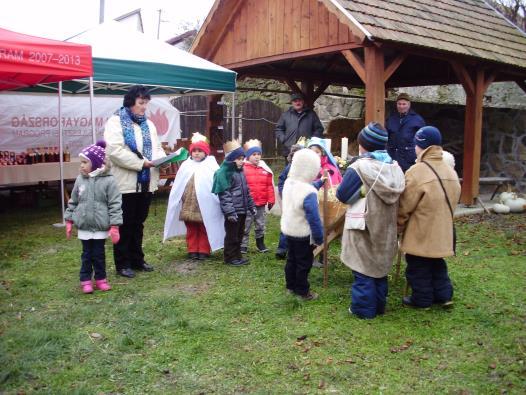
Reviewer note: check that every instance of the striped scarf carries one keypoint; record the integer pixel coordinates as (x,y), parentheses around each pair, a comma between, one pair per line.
(127,120)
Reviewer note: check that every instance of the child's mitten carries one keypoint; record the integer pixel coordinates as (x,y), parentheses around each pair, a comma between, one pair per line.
(114,234)
(69,227)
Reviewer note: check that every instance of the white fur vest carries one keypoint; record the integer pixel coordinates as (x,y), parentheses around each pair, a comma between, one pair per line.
(293,220)
(303,170)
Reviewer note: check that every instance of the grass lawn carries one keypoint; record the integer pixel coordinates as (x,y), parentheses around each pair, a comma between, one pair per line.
(204,328)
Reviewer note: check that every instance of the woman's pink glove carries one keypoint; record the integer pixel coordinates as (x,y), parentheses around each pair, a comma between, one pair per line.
(69,227)
(114,234)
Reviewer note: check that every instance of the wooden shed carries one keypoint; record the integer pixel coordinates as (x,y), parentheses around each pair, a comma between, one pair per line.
(376,44)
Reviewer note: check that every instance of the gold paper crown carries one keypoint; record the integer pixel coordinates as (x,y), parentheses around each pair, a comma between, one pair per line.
(230,146)
(198,137)
(302,141)
(252,143)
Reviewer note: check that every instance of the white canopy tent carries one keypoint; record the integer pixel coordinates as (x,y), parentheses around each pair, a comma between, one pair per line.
(123,57)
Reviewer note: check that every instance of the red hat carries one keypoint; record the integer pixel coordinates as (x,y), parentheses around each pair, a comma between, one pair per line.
(202,145)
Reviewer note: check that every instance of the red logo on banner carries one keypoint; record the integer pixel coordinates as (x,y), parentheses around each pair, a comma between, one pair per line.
(160,121)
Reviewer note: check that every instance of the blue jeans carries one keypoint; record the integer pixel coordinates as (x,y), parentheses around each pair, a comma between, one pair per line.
(368,295)
(93,258)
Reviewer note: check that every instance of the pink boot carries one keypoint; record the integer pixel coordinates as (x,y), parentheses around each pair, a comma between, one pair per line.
(102,285)
(87,287)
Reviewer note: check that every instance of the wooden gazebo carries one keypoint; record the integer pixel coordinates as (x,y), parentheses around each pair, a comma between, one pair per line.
(376,44)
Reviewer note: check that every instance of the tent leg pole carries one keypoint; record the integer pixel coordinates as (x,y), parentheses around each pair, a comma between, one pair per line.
(91,100)
(61,155)
(234,118)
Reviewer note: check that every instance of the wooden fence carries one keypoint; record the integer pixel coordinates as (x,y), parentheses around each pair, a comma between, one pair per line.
(255,119)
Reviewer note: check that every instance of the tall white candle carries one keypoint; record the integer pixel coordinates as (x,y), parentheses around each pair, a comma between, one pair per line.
(328,144)
(345,147)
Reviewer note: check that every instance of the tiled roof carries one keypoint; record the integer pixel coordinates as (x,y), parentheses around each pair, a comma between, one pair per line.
(467,27)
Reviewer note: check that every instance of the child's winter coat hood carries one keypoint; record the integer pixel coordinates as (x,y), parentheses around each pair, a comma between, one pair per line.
(385,178)
(305,166)
(323,145)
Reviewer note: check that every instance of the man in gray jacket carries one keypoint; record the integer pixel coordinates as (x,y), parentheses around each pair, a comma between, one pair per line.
(298,121)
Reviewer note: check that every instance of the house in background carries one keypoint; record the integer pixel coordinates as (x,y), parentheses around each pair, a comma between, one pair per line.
(132,19)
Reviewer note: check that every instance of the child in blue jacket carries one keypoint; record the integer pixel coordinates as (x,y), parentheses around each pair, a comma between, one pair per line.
(281,251)
(300,221)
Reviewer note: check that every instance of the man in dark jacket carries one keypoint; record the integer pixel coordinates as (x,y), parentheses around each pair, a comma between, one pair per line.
(401,128)
(298,121)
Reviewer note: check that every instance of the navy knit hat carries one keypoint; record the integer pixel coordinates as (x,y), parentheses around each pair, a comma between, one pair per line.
(428,136)
(233,155)
(253,150)
(373,137)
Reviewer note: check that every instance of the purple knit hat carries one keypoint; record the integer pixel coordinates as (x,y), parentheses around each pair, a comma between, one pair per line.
(95,153)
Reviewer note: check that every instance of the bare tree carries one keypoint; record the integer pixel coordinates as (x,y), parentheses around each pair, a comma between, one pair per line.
(514,10)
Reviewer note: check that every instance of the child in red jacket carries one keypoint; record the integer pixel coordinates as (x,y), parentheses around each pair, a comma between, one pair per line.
(261,185)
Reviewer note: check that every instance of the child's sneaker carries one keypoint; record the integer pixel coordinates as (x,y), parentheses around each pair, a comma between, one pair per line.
(260,244)
(87,287)
(316,263)
(237,262)
(281,254)
(244,250)
(309,296)
(102,285)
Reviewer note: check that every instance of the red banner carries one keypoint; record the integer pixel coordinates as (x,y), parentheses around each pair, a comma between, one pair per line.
(27,60)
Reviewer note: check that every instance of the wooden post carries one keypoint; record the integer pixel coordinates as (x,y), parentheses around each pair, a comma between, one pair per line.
(475,88)
(475,85)
(398,264)
(374,85)
(307,88)
(325,225)
(214,126)
(373,74)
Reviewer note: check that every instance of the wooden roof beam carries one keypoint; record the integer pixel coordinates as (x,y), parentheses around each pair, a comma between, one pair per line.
(347,82)
(202,31)
(307,88)
(292,85)
(490,78)
(320,89)
(522,84)
(393,66)
(356,63)
(463,76)
(313,52)
(297,75)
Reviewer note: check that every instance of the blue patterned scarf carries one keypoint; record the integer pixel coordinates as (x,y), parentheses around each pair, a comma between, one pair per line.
(127,120)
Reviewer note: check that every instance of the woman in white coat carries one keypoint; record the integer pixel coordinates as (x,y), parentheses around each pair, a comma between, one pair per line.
(132,145)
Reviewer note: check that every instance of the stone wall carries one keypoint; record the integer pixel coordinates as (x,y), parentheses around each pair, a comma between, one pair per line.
(499,94)
(503,138)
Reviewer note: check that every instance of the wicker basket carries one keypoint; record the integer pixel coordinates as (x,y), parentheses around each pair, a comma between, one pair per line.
(335,208)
